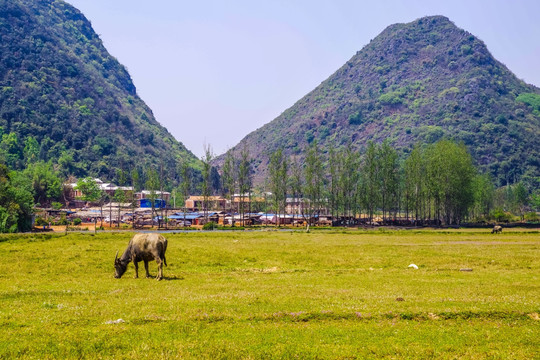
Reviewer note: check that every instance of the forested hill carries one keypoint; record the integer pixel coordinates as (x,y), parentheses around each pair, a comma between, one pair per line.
(416,82)
(61,89)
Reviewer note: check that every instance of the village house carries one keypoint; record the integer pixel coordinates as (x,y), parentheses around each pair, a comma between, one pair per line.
(108,188)
(143,198)
(253,202)
(194,203)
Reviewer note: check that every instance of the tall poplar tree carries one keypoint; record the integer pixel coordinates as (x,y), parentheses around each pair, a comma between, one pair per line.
(335,169)
(244,180)
(348,184)
(278,182)
(389,181)
(371,179)
(295,184)
(206,186)
(314,180)
(415,185)
(450,174)
(484,192)
(228,178)
(152,185)
(185,183)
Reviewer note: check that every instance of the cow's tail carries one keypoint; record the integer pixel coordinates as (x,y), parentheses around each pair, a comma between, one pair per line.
(163,254)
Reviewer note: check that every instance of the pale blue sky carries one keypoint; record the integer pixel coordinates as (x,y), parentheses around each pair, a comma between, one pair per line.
(213,71)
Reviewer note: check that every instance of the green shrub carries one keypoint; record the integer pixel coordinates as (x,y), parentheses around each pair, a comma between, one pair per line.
(41,221)
(209,226)
(393,97)
(466,49)
(356,118)
(56,205)
(530,99)
(532,217)
(501,216)
(62,221)
(77,221)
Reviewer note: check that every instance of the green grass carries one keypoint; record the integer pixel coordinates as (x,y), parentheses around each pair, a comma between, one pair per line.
(266,294)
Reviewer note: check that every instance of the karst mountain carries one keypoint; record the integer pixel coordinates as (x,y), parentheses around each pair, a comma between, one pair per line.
(415,83)
(60,86)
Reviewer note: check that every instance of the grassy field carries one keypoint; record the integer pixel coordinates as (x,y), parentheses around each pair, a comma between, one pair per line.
(269,294)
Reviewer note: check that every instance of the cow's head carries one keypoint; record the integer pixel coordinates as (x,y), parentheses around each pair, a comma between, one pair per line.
(119,268)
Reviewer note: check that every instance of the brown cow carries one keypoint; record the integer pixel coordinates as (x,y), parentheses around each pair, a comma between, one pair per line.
(496,229)
(143,247)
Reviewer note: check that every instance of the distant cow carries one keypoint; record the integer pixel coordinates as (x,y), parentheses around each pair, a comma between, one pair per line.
(496,229)
(143,247)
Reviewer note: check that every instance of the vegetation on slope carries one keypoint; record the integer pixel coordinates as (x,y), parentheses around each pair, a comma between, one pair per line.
(416,83)
(61,89)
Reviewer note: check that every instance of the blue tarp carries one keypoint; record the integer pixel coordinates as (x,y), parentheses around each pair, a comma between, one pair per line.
(158,203)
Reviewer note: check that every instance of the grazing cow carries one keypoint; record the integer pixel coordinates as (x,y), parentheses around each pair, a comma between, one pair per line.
(496,229)
(143,247)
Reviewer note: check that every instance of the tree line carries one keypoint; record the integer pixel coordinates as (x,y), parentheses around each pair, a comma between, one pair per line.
(433,184)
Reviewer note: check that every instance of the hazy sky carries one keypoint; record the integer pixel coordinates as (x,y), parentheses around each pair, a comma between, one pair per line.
(213,71)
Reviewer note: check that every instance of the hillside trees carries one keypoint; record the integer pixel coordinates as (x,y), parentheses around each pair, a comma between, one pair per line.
(45,180)
(64,95)
(10,151)
(16,201)
(31,150)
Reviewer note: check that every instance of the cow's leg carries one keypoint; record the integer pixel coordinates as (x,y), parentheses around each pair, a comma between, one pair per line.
(146,268)
(160,269)
(136,269)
